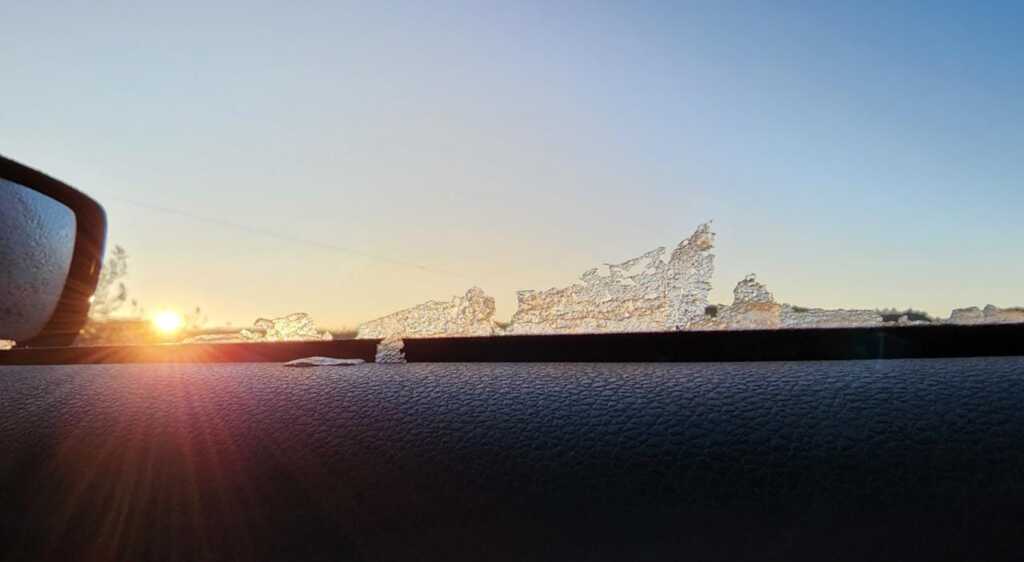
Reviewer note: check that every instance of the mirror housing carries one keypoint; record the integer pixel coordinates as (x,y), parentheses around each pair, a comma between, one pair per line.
(90,230)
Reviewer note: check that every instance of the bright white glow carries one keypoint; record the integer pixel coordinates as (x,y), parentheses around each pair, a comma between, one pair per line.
(168,322)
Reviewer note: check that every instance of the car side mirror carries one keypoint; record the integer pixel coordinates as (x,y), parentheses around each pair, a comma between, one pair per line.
(51,248)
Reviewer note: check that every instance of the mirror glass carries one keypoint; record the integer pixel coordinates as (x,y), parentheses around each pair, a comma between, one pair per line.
(37,241)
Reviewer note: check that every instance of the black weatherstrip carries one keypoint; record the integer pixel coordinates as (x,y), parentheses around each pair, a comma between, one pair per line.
(755,345)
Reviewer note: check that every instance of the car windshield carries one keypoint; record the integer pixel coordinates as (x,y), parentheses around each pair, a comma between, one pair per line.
(279,172)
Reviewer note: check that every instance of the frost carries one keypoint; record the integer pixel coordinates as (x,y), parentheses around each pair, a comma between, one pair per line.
(795,317)
(989,315)
(318,361)
(390,350)
(749,290)
(297,326)
(294,327)
(643,294)
(754,308)
(470,315)
(111,293)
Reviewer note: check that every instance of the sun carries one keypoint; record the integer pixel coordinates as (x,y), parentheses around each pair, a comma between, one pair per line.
(168,322)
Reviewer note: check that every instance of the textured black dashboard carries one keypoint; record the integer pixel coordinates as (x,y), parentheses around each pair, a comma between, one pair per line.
(841,460)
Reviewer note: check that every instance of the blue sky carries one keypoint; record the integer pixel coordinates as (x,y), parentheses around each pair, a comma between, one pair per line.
(852,155)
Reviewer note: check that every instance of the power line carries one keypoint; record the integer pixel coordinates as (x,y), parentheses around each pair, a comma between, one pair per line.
(283,237)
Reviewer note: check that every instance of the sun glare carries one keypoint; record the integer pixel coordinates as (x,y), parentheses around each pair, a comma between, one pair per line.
(168,322)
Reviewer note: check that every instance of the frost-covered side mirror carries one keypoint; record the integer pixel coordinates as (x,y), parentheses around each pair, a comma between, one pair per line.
(51,247)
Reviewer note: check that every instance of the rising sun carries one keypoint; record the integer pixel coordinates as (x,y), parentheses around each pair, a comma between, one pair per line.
(168,322)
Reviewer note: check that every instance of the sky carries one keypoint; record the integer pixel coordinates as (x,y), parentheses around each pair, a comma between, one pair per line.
(349,160)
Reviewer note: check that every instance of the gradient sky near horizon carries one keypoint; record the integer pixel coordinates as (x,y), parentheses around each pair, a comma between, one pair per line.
(349,160)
